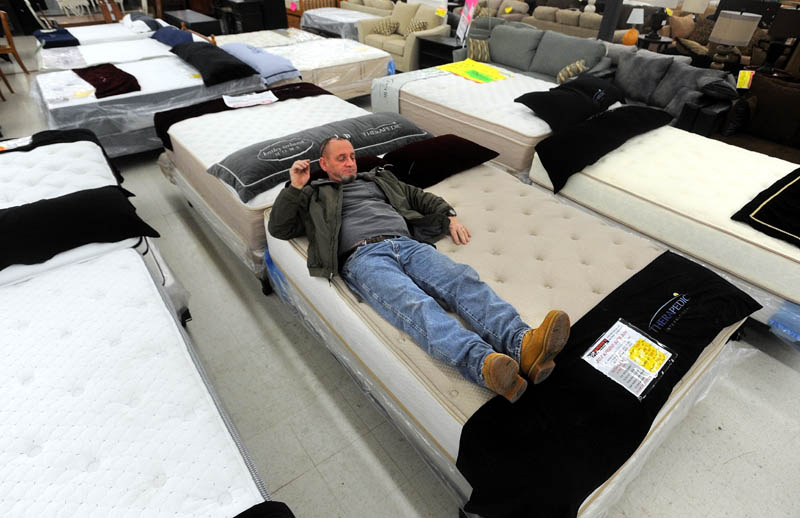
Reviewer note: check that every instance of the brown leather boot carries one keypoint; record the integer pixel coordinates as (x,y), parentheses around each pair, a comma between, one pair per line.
(501,373)
(541,345)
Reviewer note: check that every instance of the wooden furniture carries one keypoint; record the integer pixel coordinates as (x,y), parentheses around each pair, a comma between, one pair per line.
(9,47)
(436,50)
(193,20)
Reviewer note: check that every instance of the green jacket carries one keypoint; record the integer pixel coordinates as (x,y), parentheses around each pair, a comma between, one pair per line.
(316,211)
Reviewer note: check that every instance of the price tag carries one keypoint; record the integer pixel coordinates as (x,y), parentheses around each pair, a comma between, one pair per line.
(630,357)
(508,9)
(80,94)
(441,12)
(745,78)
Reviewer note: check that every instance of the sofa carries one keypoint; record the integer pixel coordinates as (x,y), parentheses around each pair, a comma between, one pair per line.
(376,7)
(571,21)
(403,44)
(508,10)
(523,49)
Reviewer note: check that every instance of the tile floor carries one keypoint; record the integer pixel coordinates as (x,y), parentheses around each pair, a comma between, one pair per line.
(322,448)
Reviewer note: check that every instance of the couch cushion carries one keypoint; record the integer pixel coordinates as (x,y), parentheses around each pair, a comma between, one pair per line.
(568,17)
(557,50)
(378,40)
(638,75)
(387,5)
(427,14)
(396,45)
(545,13)
(494,7)
(514,45)
(777,115)
(681,26)
(403,13)
(590,21)
(615,50)
(385,27)
(679,75)
(478,50)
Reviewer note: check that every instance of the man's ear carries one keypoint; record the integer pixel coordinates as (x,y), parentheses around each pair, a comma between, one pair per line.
(323,164)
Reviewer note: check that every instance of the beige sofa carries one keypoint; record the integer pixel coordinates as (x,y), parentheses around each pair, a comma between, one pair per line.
(403,45)
(376,7)
(508,10)
(569,21)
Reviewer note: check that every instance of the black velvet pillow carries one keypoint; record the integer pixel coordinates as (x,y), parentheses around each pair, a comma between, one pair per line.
(430,161)
(215,65)
(776,210)
(35,232)
(573,101)
(595,138)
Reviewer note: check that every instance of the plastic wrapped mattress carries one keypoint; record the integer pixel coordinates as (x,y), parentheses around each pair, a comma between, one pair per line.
(67,58)
(561,258)
(335,20)
(482,112)
(686,199)
(124,123)
(103,33)
(269,38)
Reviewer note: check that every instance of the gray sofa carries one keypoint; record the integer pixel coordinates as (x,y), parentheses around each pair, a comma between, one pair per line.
(523,49)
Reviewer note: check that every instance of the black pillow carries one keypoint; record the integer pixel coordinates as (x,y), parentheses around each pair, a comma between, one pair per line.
(430,161)
(595,138)
(35,232)
(573,101)
(149,21)
(776,210)
(215,65)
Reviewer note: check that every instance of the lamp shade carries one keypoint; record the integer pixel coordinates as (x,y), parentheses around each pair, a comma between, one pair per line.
(786,24)
(694,6)
(636,17)
(734,29)
(666,4)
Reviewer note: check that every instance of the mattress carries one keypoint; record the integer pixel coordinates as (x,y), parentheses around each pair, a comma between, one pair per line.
(69,102)
(668,199)
(430,401)
(483,112)
(103,33)
(67,58)
(269,38)
(195,149)
(343,67)
(106,411)
(335,20)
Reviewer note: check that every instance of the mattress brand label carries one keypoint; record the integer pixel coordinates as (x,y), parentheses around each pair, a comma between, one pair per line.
(670,312)
(380,130)
(285,150)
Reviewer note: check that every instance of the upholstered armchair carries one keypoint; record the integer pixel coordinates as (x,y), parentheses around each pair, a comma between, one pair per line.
(402,44)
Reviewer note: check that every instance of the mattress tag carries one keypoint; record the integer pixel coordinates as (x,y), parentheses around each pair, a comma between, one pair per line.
(242,101)
(630,357)
(15,143)
(80,94)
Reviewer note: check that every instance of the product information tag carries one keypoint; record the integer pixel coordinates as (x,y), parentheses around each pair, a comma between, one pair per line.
(745,78)
(242,101)
(630,357)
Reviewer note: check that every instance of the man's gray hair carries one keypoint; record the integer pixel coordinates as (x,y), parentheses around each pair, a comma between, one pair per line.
(327,141)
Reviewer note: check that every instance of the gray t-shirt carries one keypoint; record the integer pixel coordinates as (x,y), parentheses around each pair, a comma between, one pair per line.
(367,213)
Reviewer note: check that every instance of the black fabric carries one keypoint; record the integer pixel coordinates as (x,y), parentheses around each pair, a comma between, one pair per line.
(214,64)
(267,510)
(430,161)
(52,39)
(573,101)
(543,455)
(261,166)
(164,120)
(35,232)
(108,80)
(596,137)
(776,210)
(738,117)
(148,20)
(47,137)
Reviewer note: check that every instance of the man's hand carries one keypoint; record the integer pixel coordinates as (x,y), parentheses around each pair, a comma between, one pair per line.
(459,232)
(299,173)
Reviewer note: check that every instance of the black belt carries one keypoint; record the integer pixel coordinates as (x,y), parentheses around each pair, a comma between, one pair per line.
(368,241)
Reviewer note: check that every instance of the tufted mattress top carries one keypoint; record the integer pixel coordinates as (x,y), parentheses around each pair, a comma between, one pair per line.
(195,149)
(269,38)
(483,112)
(328,53)
(535,251)
(104,410)
(686,197)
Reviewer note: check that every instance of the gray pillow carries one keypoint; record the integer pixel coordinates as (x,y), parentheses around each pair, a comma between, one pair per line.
(721,87)
(679,75)
(615,50)
(638,76)
(682,96)
(558,50)
(513,45)
(259,167)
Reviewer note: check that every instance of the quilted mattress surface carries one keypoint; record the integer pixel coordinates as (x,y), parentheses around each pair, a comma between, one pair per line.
(112,52)
(104,412)
(685,198)
(91,34)
(269,38)
(327,53)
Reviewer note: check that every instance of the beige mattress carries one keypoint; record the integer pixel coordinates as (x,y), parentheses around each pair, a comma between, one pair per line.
(553,261)
(485,113)
(196,148)
(684,196)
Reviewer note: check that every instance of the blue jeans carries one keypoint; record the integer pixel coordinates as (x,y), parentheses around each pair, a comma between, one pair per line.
(402,279)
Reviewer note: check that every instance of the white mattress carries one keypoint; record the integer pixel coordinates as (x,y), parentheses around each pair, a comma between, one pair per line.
(67,58)
(343,22)
(104,411)
(102,33)
(684,196)
(431,401)
(269,38)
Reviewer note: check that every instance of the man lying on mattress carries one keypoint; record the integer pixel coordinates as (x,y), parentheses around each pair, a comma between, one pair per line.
(380,232)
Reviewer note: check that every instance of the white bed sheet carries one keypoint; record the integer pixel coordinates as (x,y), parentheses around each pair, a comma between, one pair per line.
(104,410)
(102,33)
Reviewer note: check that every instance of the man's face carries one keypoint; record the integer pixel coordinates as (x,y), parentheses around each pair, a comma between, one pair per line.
(339,161)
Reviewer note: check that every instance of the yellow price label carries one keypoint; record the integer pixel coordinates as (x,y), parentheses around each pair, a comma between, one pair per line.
(508,9)
(441,12)
(745,78)
(669,11)
(647,355)
(83,93)
(196,75)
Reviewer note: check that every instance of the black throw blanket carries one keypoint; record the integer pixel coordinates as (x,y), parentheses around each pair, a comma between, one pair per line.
(56,38)
(108,80)
(776,210)
(164,120)
(543,455)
